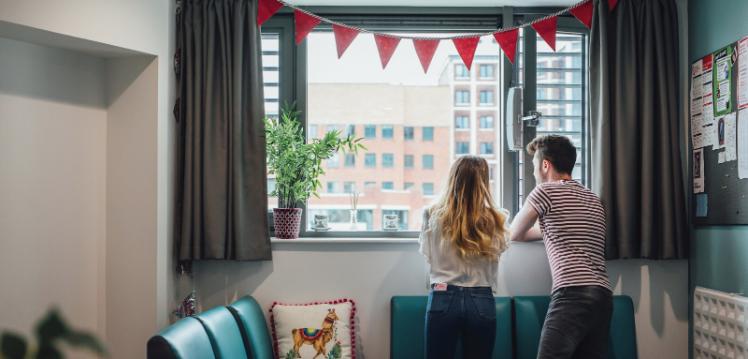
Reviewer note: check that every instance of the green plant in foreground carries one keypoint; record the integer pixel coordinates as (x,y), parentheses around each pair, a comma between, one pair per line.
(296,163)
(50,331)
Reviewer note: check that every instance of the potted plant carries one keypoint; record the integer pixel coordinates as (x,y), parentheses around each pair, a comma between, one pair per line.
(297,165)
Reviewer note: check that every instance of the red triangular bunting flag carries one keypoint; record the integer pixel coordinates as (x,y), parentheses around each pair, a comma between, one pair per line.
(386,46)
(466,48)
(425,49)
(583,13)
(547,30)
(266,9)
(343,37)
(508,42)
(304,24)
(612,4)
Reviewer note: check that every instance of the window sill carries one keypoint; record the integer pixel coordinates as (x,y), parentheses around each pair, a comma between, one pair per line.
(318,240)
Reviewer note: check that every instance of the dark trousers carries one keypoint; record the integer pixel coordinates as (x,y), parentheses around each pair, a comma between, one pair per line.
(577,324)
(460,313)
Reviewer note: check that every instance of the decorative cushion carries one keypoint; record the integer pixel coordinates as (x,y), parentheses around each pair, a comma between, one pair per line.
(323,330)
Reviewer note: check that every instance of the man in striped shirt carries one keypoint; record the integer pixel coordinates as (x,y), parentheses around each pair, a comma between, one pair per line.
(572,225)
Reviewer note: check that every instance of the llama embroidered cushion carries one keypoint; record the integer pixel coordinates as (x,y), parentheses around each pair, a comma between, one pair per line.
(320,330)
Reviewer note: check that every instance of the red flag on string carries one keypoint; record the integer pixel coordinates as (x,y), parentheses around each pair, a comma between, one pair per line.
(547,30)
(425,49)
(612,4)
(344,36)
(508,42)
(583,13)
(386,46)
(466,48)
(304,24)
(266,9)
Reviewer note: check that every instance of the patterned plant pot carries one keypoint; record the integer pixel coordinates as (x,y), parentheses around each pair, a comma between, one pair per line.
(287,222)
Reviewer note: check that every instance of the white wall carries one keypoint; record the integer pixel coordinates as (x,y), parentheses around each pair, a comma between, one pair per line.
(372,273)
(52,183)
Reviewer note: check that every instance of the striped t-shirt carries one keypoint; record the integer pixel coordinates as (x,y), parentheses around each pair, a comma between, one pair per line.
(572,220)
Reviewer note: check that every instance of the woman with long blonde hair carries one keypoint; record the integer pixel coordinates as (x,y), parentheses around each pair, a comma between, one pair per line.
(462,237)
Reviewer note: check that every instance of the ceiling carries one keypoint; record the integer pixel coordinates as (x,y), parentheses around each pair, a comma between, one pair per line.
(434,3)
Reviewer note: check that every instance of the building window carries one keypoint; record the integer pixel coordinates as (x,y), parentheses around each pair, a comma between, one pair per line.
(407,186)
(388,160)
(370,185)
(334,161)
(462,97)
(388,185)
(332,187)
(486,148)
(486,71)
(349,187)
(370,131)
(427,162)
(462,148)
(486,97)
(370,160)
(408,161)
(462,122)
(486,122)
(402,217)
(461,72)
(428,188)
(408,132)
(428,134)
(350,130)
(312,131)
(388,132)
(350,160)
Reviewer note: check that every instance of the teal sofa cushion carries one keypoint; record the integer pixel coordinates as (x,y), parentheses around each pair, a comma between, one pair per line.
(407,326)
(255,333)
(223,332)
(185,339)
(529,315)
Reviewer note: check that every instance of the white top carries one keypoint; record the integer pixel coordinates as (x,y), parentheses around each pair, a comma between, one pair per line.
(445,264)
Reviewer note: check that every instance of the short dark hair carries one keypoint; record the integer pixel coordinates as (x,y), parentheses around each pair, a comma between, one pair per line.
(558,150)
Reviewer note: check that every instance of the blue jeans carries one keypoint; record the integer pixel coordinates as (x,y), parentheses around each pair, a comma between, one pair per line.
(460,313)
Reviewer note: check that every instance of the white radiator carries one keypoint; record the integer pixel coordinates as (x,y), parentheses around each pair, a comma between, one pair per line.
(720,325)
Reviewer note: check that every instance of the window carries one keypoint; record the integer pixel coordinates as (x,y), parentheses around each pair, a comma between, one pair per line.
(370,184)
(462,122)
(428,162)
(486,71)
(350,130)
(486,97)
(486,148)
(388,185)
(334,161)
(408,132)
(462,148)
(461,72)
(370,160)
(402,217)
(350,160)
(349,187)
(428,189)
(428,134)
(332,187)
(388,160)
(407,186)
(462,97)
(312,131)
(370,131)
(408,161)
(486,122)
(388,132)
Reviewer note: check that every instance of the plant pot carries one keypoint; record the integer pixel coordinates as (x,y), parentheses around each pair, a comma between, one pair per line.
(287,222)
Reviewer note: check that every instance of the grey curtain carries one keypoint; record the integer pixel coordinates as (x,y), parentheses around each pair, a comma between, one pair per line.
(634,128)
(221,201)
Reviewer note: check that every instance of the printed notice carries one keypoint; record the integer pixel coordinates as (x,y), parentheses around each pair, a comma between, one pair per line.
(722,81)
(703,132)
(698,170)
(743,144)
(731,151)
(743,73)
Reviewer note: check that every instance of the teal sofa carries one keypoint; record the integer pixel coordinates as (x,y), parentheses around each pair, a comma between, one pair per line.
(239,330)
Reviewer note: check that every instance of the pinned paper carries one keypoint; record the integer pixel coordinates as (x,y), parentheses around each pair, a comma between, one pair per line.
(266,9)
(698,170)
(547,30)
(731,151)
(508,42)
(466,48)
(344,36)
(304,24)
(425,50)
(386,46)
(583,13)
(742,143)
(743,73)
(723,81)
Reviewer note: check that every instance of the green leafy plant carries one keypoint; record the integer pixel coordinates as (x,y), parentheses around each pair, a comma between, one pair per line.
(296,163)
(50,331)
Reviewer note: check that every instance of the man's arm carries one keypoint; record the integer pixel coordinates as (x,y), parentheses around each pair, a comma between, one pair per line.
(523,226)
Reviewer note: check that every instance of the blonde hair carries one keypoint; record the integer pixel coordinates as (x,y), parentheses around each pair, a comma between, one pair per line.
(466,212)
